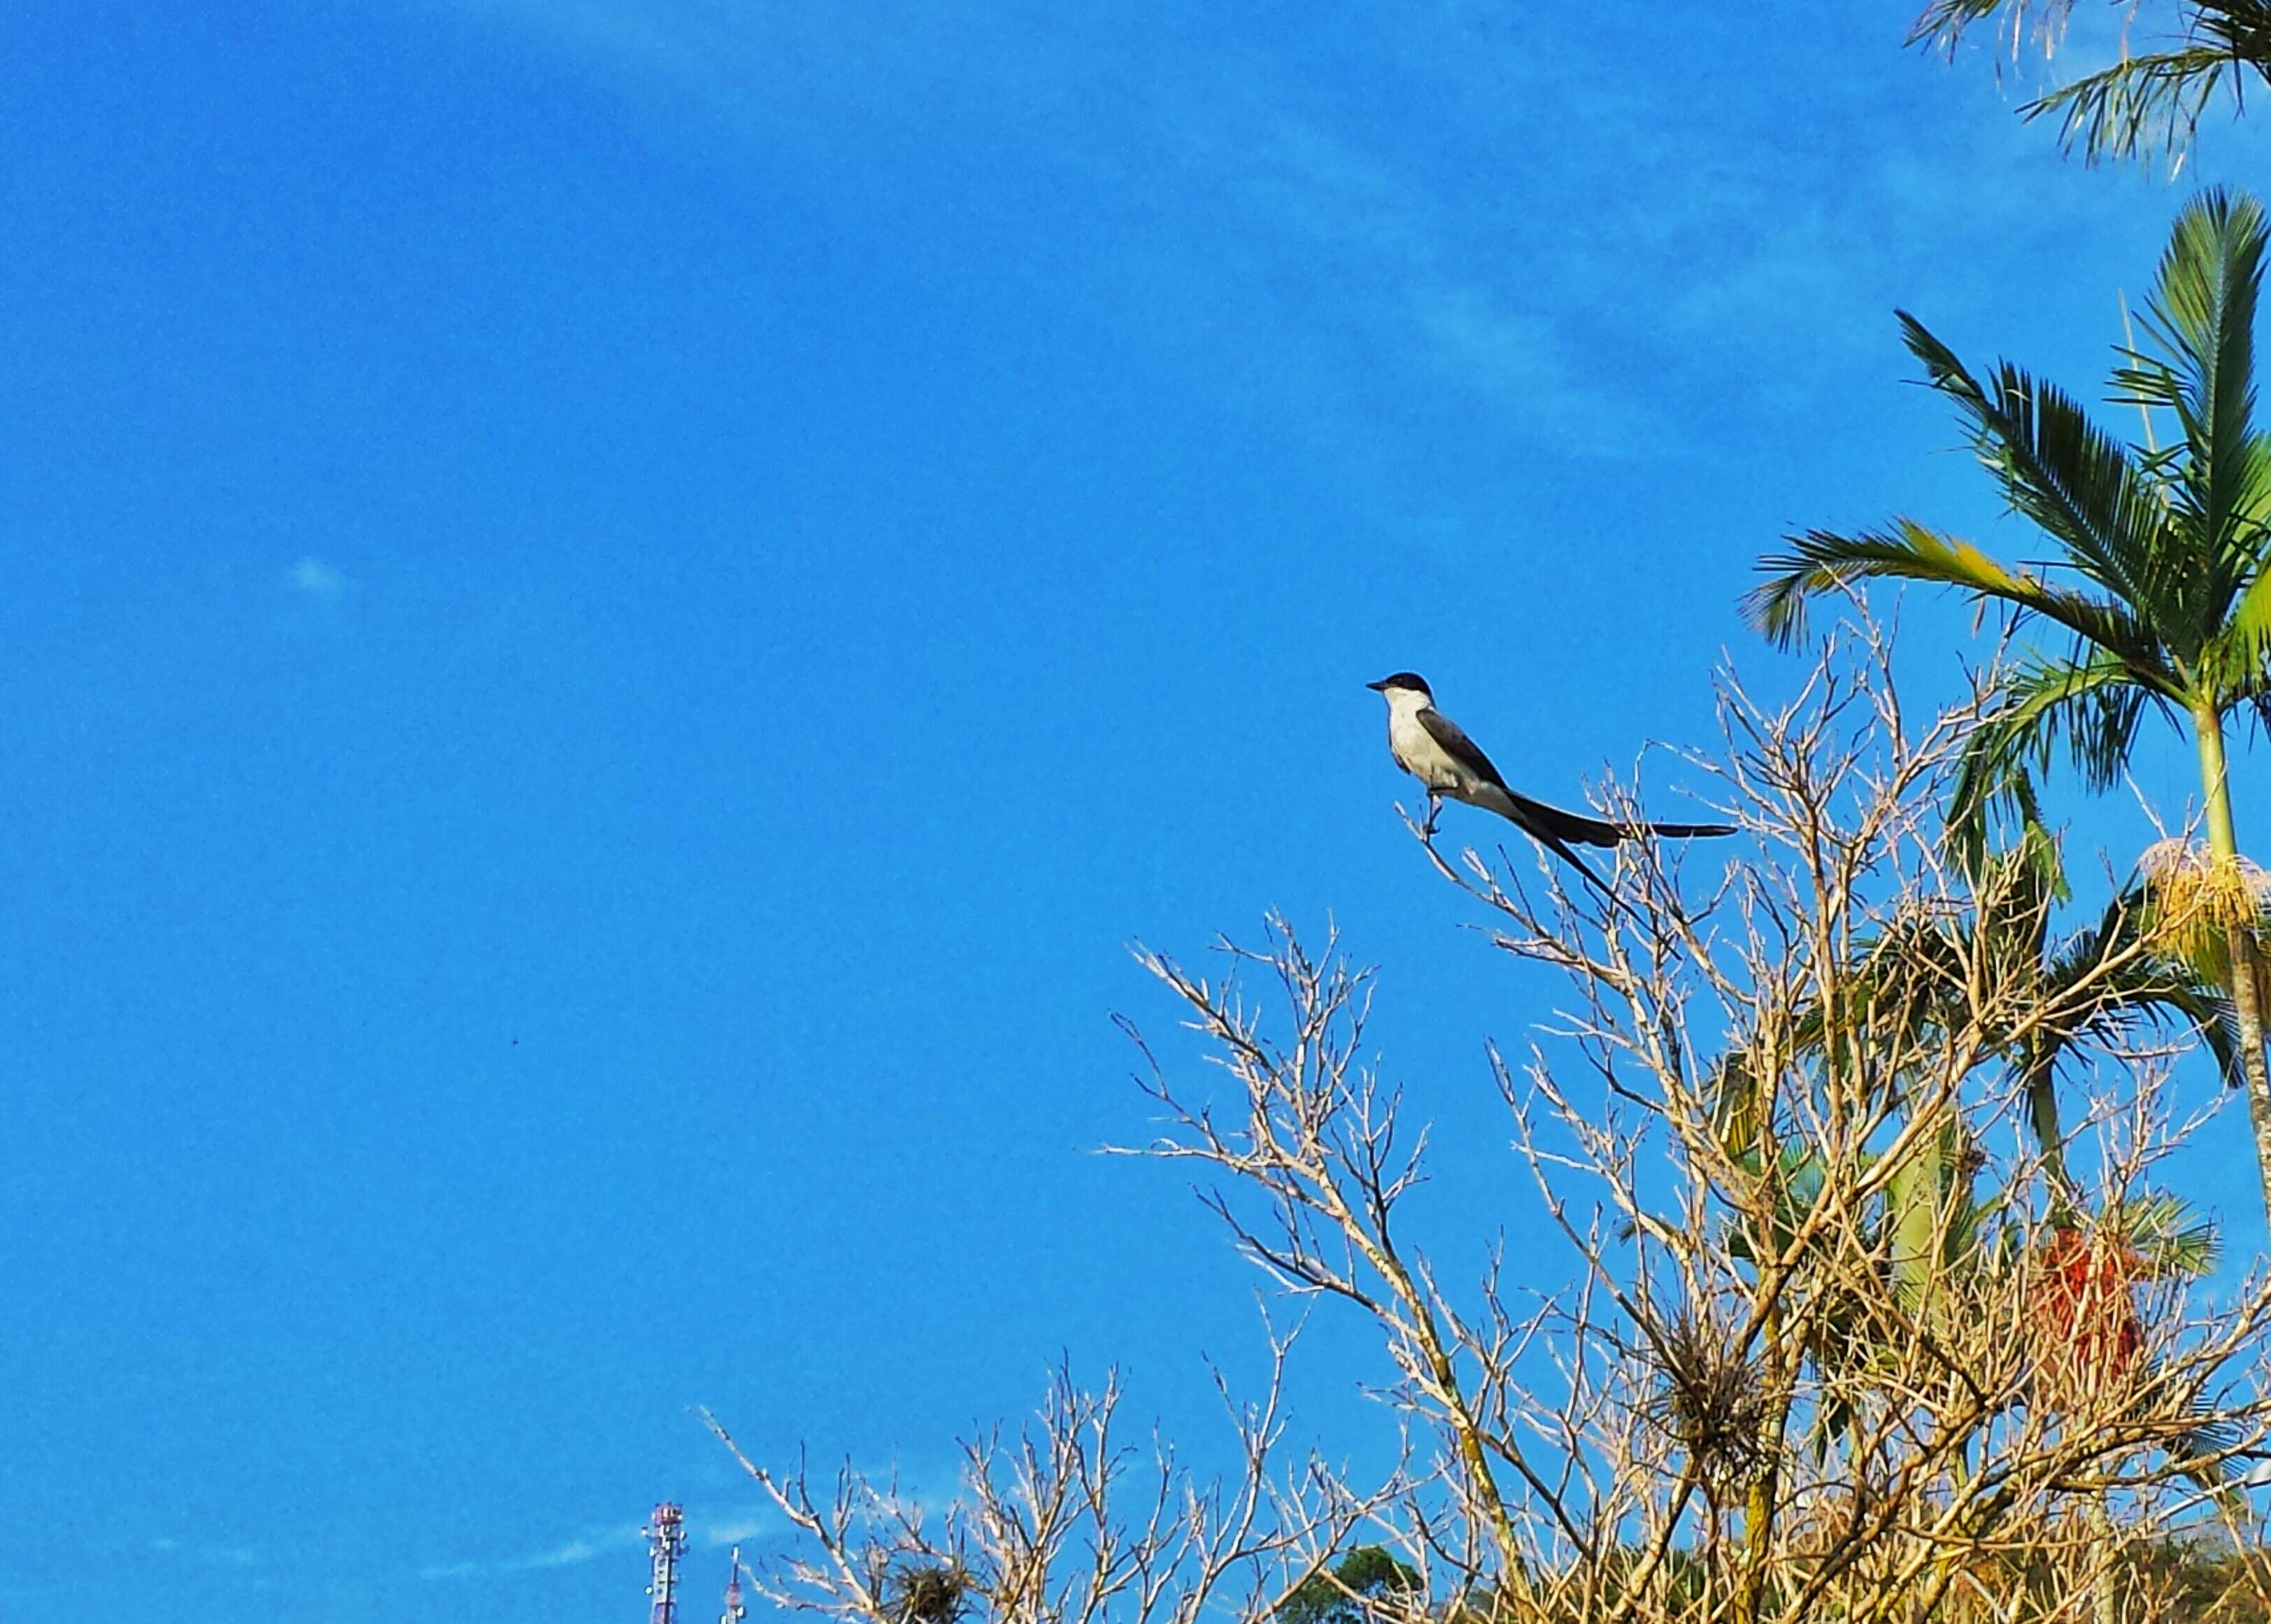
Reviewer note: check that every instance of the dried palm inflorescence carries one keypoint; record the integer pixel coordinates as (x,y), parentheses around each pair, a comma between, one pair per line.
(2086,1298)
(2198,900)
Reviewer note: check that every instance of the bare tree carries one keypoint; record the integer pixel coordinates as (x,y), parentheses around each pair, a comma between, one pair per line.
(1067,1523)
(1832,1345)
(1826,1355)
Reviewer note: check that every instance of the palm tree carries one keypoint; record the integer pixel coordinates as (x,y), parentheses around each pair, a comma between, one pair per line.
(2101,984)
(2163,584)
(2152,99)
(1928,971)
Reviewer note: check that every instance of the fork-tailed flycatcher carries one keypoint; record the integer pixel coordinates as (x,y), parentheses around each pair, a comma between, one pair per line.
(1431,747)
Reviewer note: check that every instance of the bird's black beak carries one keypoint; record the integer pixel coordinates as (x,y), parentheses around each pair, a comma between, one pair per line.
(1379,687)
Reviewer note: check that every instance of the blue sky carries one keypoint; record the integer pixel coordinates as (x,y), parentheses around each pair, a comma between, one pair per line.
(552,549)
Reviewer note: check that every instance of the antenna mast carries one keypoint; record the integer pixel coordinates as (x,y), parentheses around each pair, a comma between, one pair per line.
(735,1610)
(666,1540)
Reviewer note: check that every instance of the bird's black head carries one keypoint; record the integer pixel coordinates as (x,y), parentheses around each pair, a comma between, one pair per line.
(1409,679)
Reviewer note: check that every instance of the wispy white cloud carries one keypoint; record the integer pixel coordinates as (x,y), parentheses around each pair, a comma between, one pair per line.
(1515,360)
(218,1555)
(1541,238)
(317,579)
(714,1531)
(585,1548)
(1222,140)
(731,1528)
(568,1554)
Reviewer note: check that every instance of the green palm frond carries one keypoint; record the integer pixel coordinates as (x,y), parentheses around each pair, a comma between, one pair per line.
(1899,981)
(2201,312)
(1822,561)
(2061,470)
(2099,985)
(2149,101)
(2036,865)
(2014,890)
(1797,1180)
(2242,28)
(2107,981)
(2207,1008)
(1944,22)
(2168,1236)
(1995,795)
(2092,705)
(2141,104)
(2205,1453)
(2131,981)
(2233,662)
(2201,323)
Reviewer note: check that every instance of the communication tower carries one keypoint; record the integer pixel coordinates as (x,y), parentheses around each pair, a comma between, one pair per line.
(735,1611)
(665,1539)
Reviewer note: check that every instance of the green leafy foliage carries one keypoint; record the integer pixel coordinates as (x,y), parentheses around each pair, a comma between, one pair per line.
(2166,549)
(2149,100)
(1364,1583)
(2162,585)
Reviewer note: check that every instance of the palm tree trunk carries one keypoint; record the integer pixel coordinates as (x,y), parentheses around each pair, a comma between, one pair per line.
(2043,1115)
(2240,935)
(2104,1580)
(1762,1502)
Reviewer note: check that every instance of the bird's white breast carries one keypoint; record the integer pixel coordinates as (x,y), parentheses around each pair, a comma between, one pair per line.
(1415,751)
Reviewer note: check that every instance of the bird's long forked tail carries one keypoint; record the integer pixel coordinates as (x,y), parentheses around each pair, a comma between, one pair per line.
(1555,829)
(1536,815)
